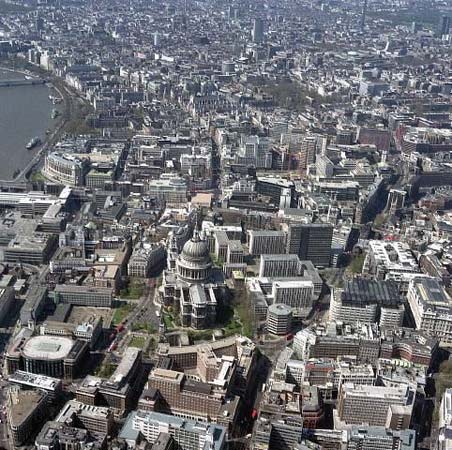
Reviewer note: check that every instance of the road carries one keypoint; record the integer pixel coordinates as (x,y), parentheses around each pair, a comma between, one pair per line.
(5,335)
(144,312)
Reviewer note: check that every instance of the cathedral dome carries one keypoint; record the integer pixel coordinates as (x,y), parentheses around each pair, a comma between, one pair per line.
(196,249)
(194,264)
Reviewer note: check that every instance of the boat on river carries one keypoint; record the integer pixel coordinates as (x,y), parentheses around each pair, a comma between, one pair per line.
(33,143)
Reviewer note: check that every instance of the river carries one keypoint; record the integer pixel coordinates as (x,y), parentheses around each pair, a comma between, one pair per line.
(24,113)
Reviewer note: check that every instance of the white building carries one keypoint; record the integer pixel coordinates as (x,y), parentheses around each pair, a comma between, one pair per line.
(298,294)
(445,422)
(65,169)
(255,151)
(188,434)
(168,189)
(389,260)
(431,308)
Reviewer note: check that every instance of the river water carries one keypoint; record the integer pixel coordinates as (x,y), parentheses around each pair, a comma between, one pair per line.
(24,113)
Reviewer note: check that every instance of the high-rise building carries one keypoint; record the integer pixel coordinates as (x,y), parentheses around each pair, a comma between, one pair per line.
(443,26)
(311,242)
(258,31)
(279,266)
(156,39)
(396,200)
(363,300)
(363,15)
(308,151)
(279,319)
(390,407)
(265,242)
(298,294)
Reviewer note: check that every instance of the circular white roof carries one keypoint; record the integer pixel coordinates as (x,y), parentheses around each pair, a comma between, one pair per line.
(47,347)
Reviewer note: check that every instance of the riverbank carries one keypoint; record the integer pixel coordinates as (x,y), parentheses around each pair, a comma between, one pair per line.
(73,112)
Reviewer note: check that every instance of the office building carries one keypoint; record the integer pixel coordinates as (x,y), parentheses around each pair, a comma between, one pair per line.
(32,381)
(36,249)
(53,356)
(120,390)
(255,151)
(280,191)
(308,151)
(298,294)
(311,242)
(363,300)
(389,260)
(93,418)
(201,357)
(431,308)
(145,260)
(66,169)
(281,433)
(6,301)
(366,343)
(258,31)
(396,201)
(389,407)
(83,295)
(275,266)
(26,411)
(221,242)
(206,400)
(443,26)
(188,434)
(431,265)
(359,340)
(445,410)
(266,242)
(172,190)
(235,253)
(279,319)
(59,436)
(445,421)
(380,438)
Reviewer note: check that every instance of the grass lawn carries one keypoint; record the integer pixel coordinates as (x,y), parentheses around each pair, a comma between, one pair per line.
(356,265)
(121,313)
(201,335)
(105,370)
(38,176)
(233,327)
(168,321)
(245,316)
(144,328)
(137,341)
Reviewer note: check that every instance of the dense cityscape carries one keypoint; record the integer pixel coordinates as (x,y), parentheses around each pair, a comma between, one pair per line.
(236,231)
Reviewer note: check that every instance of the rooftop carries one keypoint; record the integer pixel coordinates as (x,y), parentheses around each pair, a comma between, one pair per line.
(48,347)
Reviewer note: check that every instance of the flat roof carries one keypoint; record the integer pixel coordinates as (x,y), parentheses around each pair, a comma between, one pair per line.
(48,347)
(24,405)
(361,291)
(280,309)
(34,380)
(125,366)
